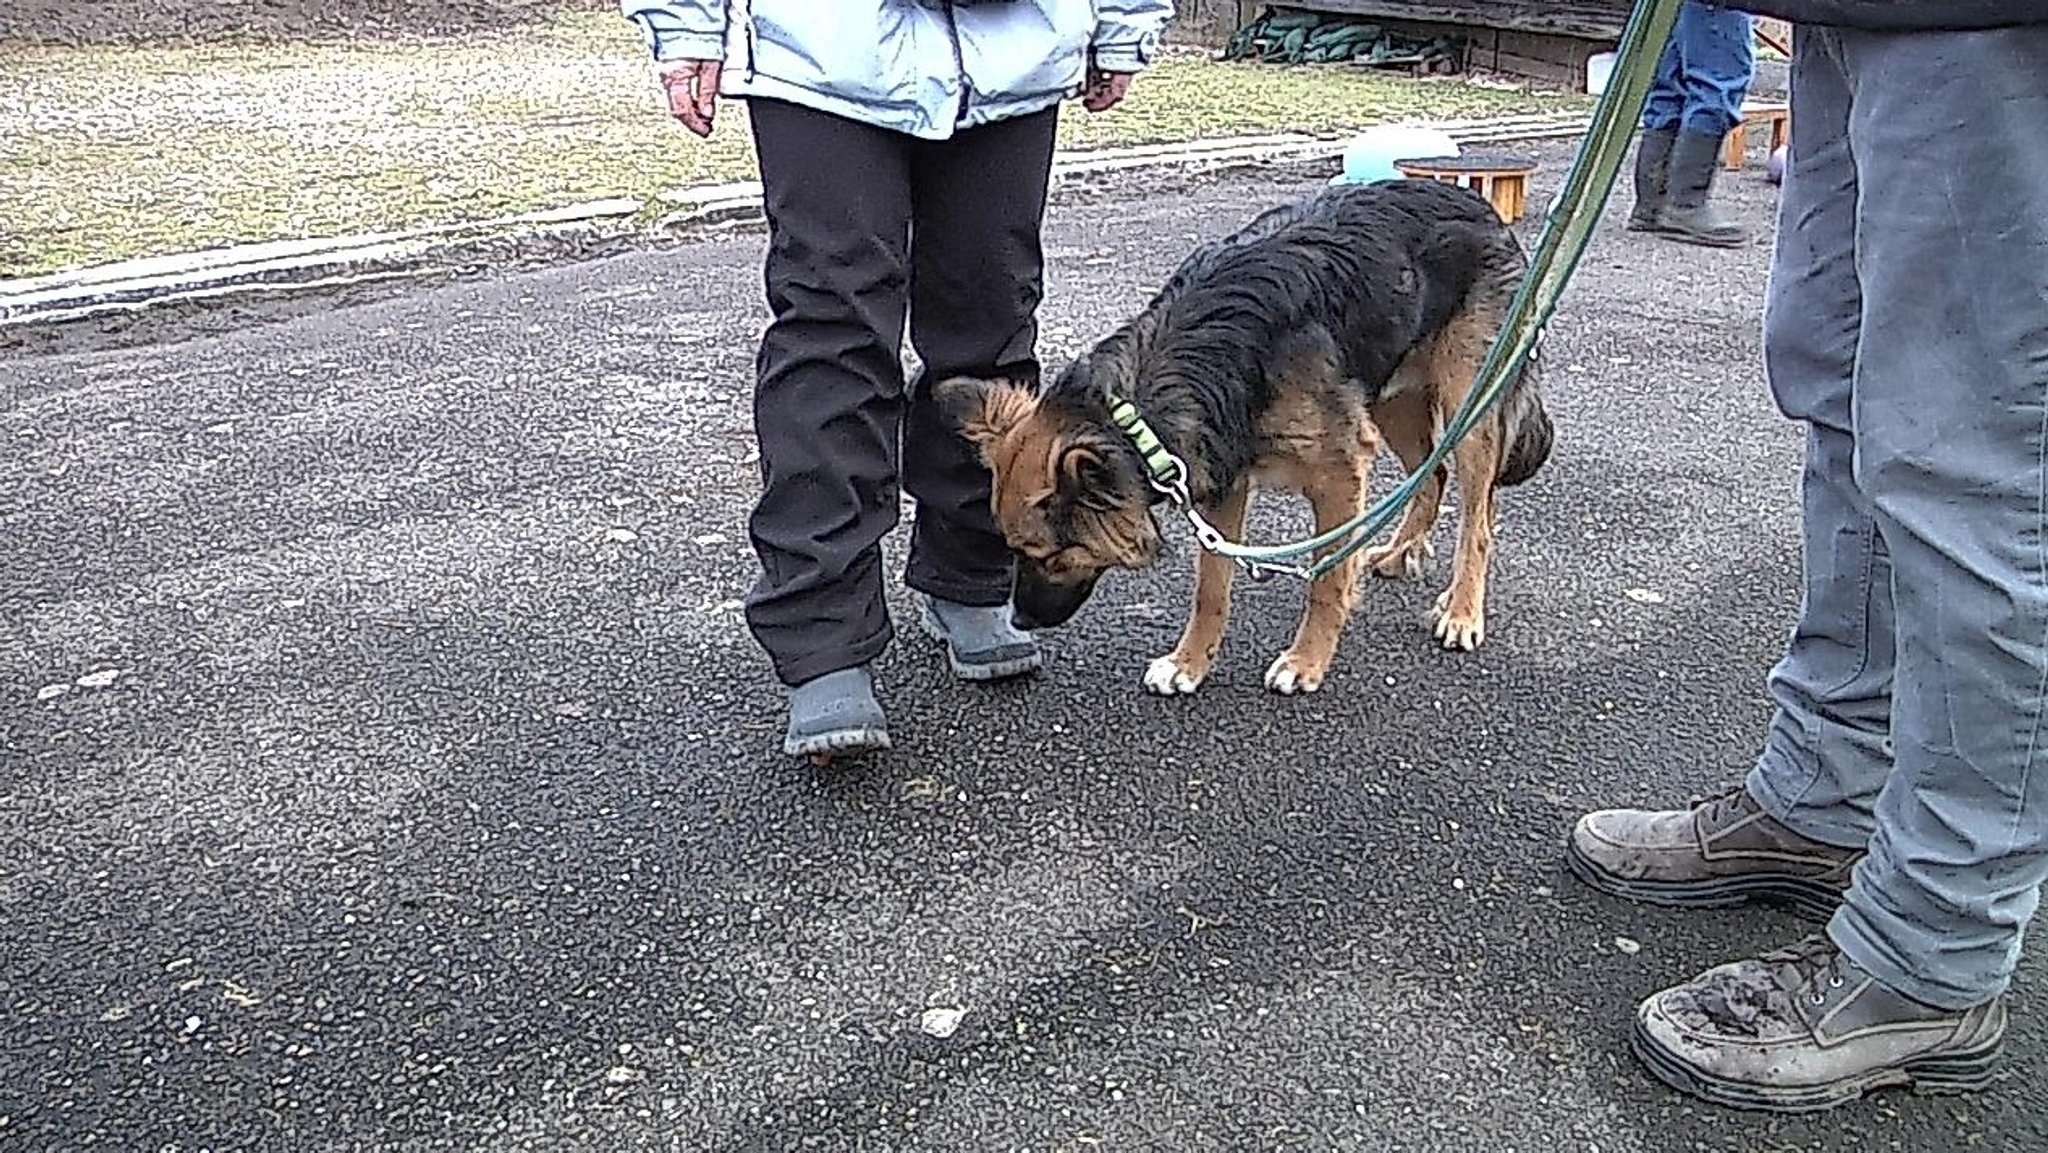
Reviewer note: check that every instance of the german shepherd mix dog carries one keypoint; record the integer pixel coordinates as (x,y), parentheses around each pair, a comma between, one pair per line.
(1279,356)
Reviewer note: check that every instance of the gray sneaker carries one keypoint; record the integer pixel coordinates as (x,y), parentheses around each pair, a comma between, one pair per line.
(1804,1029)
(834,716)
(981,643)
(1721,852)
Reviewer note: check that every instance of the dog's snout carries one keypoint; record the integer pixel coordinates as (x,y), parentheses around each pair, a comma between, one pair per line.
(1039,602)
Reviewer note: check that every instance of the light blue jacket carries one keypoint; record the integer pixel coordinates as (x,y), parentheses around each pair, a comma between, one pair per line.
(924,67)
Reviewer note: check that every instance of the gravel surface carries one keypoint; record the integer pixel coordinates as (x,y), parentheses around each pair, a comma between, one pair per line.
(383,763)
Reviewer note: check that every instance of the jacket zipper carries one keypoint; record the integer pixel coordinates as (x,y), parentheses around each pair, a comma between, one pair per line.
(959,63)
(747,14)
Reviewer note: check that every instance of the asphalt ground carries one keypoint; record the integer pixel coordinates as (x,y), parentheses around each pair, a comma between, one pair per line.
(384,763)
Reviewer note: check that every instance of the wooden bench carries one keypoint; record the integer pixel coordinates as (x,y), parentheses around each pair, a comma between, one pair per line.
(1502,180)
(1775,114)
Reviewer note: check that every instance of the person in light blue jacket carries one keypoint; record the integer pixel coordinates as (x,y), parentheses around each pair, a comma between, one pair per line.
(905,148)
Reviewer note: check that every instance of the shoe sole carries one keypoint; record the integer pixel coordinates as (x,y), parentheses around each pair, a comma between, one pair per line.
(838,744)
(1698,240)
(1939,1075)
(978,670)
(1810,899)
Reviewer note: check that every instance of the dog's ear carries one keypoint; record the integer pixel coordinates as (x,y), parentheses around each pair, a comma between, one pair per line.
(983,410)
(1083,466)
(1106,484)
(1092,473)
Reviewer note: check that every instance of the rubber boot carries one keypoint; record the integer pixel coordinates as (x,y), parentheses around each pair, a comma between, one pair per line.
(1653,170)
(1687,215)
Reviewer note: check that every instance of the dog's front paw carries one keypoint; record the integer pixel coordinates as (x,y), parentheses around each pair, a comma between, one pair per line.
(1292,674)
(1459,626)
(1402,562)
(1167,676)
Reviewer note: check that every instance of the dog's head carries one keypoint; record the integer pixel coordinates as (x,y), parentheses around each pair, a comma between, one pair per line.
(1070,494)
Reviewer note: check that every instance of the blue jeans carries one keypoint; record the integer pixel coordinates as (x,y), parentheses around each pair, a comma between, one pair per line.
(1704,73)
(1905,328)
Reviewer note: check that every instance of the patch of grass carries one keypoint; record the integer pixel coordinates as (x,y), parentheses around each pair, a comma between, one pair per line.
(1187,97)
(110,152)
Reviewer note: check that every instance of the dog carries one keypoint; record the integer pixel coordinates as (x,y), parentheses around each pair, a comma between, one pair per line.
(1282,356)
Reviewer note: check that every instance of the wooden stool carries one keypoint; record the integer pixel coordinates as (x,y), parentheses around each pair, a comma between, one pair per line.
(1503,180)
(1777,115)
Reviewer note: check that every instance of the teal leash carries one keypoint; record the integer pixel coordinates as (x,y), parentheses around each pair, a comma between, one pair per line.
(1562,244)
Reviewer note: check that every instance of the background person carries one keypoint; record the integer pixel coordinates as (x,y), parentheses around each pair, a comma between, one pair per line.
(1694,103)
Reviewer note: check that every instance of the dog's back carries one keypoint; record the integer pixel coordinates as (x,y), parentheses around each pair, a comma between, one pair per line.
(1382,267)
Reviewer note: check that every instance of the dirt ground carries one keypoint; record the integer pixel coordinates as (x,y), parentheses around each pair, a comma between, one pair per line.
(209,143)
(117,21)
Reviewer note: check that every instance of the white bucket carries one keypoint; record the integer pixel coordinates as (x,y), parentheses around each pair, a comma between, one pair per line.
(1599,68)
(1371,154)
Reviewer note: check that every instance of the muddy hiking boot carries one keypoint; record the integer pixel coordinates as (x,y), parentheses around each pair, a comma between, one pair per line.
(1721,852)
(1804,1029)
(1653,169)
(981,643)
(1687,215)
(835,716)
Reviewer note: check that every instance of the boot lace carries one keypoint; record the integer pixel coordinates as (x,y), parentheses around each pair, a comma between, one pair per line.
(1764,999)
(1811,967)
(1725,808)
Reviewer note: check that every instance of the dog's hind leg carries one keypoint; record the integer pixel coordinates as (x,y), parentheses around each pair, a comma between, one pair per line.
(1184,669)
(1407,422)
(1335,496)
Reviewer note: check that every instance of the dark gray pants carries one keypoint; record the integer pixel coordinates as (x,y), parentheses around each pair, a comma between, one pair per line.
(1907,326)
(864,223)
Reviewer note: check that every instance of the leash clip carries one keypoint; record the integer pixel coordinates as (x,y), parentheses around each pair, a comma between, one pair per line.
(1175,487)
(1262,571)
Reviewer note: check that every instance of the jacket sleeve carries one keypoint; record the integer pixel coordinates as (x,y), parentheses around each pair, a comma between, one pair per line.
(1127,33)
(680,29)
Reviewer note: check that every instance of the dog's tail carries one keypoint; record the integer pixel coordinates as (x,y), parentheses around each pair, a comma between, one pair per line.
(1526,432)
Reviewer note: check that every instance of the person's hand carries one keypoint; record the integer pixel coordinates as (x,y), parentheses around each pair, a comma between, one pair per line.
(1105,90)
(692,87)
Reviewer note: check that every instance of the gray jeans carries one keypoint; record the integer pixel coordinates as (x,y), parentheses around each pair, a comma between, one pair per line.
(1907,327)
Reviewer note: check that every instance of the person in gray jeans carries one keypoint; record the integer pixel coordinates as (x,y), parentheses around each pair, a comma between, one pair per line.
(1902,790)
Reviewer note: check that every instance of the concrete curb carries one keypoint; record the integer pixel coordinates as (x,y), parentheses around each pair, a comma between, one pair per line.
(129,285)
(223,274)
(723,203)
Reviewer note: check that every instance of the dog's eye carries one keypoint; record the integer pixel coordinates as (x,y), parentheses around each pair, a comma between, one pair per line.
(1065,561)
